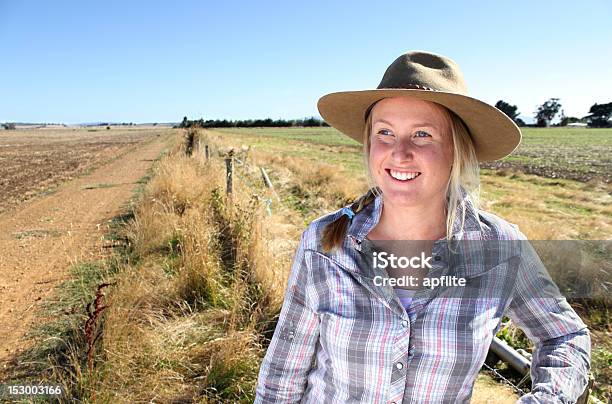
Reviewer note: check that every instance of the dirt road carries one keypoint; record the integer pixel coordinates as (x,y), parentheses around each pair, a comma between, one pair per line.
(40,240)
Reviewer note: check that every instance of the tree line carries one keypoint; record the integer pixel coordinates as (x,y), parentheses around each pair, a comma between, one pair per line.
(599,114)
(599,117)
(250,123)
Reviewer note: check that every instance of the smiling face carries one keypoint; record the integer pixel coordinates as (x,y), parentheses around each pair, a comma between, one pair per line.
(411,151)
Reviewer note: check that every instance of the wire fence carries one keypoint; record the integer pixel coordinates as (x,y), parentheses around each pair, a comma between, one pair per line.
(240,169)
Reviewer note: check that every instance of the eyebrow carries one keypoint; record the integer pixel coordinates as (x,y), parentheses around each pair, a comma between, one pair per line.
(418,124)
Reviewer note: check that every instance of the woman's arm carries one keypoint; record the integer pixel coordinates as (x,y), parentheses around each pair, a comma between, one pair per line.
(285,367)
(561,359)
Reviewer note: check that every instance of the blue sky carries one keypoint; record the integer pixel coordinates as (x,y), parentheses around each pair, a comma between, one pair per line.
(156,61)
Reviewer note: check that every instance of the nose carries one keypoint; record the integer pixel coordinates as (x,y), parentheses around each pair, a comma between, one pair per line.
(403,150)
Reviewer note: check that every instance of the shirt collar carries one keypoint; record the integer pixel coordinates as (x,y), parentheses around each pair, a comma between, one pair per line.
(369,217)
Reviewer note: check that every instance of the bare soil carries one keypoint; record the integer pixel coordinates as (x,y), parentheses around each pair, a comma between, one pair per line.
(34,162)
(41,239)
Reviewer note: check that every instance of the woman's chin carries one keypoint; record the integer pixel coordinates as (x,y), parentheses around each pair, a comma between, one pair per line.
(404,197)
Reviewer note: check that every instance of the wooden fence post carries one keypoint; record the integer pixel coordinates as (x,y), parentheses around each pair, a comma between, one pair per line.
(229,165)
(206,152)
(189,141)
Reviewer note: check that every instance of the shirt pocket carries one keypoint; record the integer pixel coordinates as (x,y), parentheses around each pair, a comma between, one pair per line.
(357,348)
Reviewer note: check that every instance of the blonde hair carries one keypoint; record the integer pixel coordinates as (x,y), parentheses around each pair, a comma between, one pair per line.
(465,173)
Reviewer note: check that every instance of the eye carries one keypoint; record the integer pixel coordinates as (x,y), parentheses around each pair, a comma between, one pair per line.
(384,131)
(422,132)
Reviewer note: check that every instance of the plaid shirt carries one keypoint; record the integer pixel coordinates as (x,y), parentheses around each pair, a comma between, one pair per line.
(342,339)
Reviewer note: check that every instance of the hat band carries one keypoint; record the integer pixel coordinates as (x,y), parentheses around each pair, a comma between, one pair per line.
(404,86)
(408,85)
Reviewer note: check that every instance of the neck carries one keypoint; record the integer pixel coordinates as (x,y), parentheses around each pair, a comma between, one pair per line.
(422,222)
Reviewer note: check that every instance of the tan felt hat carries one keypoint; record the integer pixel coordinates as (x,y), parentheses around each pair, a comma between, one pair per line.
(430,77)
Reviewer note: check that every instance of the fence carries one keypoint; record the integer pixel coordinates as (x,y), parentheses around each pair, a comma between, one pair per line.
(233,157)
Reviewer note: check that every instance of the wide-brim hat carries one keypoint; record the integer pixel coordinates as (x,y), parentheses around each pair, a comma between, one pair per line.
(430,77)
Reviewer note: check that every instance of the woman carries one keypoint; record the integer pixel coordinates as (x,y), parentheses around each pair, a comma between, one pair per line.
(346,331)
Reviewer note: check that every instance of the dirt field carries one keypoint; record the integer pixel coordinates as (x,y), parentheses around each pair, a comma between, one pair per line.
(40,239)
(33,162)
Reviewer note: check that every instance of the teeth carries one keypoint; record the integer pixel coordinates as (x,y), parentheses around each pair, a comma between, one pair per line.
(403,176)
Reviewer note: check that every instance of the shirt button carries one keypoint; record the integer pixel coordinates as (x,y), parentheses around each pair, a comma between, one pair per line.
(399,365)
(404,323)
(437,258)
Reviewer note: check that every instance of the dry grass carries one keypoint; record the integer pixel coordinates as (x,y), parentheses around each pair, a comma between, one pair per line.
(550,209)
(310,188)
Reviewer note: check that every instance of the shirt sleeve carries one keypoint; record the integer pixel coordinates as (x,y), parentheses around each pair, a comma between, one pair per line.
(562,354)
(288,360)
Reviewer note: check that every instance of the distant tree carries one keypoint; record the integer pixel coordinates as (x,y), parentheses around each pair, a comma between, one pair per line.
(561,118)
(546,112)
(312,121)
(510,110)
(599,115)
(9,126)
(520,122)
(184,123)
(565,120)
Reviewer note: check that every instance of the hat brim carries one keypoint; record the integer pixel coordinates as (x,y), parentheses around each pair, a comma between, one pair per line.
(493,133)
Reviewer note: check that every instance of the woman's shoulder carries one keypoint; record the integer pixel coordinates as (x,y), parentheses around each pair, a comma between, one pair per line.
(498,228)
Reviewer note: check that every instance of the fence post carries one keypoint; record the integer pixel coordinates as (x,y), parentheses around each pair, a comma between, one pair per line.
(206,152)
(189,141)
(245,150)
(229,165)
